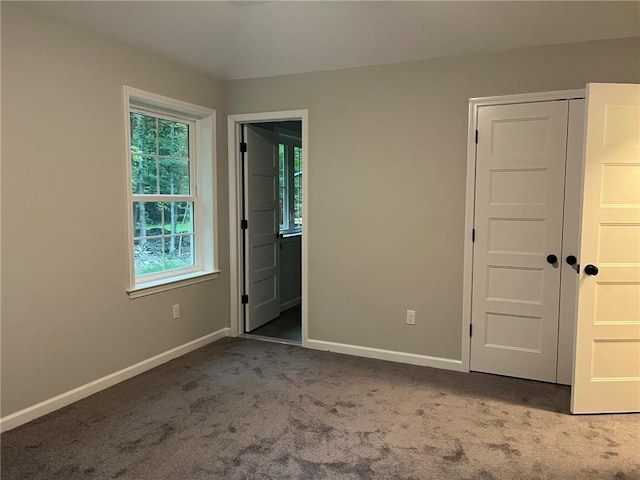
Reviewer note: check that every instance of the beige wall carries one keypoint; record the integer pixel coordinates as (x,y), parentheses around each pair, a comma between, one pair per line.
(66,319)
(387,169)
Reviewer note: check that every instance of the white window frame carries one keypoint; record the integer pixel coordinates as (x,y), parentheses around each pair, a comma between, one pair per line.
(202,170)
(290,141)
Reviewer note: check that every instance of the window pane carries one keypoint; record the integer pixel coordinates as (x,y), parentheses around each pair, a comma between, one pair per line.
(144,175)
(147,219)
(148,256)
(173,139)
(174,176)
(178,251)
(282,184)
(165,236)
(297,187)
(143,133)
(178,217)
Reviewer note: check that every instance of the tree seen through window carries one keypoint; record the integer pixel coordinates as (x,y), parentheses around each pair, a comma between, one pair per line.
(290,187)
(161,186)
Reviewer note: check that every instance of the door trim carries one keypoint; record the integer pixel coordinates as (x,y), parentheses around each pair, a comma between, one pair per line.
(234,125)
(467,284)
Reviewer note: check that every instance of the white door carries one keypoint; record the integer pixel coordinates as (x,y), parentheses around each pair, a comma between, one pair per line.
(607,362)
(520,170)
(262,255)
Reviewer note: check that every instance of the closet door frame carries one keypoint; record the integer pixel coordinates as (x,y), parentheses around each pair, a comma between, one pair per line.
(474,104)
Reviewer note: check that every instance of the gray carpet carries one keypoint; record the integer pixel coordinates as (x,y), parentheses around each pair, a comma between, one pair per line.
(245,409)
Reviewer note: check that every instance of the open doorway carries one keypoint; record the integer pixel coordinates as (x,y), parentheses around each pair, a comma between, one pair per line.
(272,235)
(267,178)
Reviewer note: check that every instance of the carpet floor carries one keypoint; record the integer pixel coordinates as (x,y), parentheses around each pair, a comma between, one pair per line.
(288,326)
(246,409)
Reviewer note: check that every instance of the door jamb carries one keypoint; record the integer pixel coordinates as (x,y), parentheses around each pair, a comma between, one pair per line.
(469,218)
(234,124)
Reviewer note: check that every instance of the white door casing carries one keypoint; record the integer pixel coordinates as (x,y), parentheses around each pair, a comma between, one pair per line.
(520,168)
(263,255)
(237,211)
(607,358)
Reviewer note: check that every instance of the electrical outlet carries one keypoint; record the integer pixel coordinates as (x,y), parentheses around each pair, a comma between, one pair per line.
(176,311)
(411,317)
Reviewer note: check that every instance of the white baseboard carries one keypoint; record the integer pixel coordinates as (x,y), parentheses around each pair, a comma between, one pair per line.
(290,303)
(390,355)
(30,413)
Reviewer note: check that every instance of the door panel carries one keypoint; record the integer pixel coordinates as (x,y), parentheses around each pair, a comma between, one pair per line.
(607,361)
(262,268)
(520,167)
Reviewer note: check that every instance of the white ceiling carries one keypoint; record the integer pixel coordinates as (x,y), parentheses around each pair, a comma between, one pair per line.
(247,39)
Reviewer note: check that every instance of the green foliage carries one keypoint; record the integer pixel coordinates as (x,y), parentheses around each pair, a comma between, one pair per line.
(282,185)
(160,166)
(297,186)
(154,255)
(159,156)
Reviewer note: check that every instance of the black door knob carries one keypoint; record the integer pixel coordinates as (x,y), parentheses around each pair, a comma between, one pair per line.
(552,259)
(572,260)
(591,270)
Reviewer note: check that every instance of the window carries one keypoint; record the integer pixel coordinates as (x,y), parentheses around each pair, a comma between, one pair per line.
(170,165)
(290,177)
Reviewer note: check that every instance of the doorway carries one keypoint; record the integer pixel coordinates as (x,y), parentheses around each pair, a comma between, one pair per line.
(527,156)
(267,179)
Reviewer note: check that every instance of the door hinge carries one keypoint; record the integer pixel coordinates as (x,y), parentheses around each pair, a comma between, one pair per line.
(476,137)
(473,234)
(243,147)
(245,299)
(471,329)
(244,224)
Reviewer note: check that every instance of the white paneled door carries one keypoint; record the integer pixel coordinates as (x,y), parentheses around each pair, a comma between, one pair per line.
(520,181)
(261,198)
(607,361)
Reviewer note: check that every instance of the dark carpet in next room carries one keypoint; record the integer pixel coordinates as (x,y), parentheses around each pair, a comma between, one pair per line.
(288,326)
(246,409)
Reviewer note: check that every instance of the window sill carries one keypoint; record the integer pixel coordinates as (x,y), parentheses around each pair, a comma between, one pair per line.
(158,286)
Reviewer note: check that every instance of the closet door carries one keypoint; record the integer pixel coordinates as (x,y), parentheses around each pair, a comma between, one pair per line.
(607,362)
(520,170)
